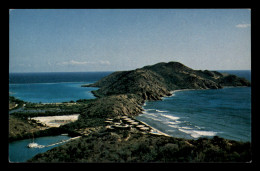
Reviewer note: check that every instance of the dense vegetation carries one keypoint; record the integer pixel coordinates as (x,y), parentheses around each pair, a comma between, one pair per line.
(125,146)
(35,109)
(14,101)
(156,81)
(20,128)
(123,93)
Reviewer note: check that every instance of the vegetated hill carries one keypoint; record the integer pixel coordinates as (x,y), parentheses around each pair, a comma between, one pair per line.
(114,105)
(122,93)
(18,128)
(156,81)
(125,146)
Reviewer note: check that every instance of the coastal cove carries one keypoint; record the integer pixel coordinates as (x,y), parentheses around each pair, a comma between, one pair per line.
(193,114)
(19,152)
(130,86)
(124,97)
(43,90)
(53,87)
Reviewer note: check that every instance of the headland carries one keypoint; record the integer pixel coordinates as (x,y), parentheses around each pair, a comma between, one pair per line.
(122,94)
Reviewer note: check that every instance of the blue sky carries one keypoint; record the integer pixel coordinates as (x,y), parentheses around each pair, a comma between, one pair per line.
(70,40)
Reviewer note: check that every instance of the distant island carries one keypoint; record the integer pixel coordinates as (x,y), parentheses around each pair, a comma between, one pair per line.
(119,98)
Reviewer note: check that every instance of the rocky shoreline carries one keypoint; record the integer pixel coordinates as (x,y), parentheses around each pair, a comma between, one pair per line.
(122,95)
(124,92)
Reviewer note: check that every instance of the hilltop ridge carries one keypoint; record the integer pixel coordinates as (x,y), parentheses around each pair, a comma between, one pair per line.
(153,82)
(123,93)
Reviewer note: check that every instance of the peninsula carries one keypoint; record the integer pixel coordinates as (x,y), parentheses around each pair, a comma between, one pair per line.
(123,92)
(120,97)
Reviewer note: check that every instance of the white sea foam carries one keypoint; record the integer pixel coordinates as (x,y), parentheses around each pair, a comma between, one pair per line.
(181,90)
(150,109)
(173,123)
(173,92)
(197,134)
(170,117)
(146,111)
(206,133)
(151,114)
(161,111)
(156,119)
(184,127)
(199,127)
(173,126)
(153,118)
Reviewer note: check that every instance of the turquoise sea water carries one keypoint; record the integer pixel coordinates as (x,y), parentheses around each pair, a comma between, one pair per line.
(53,87)
(51,92)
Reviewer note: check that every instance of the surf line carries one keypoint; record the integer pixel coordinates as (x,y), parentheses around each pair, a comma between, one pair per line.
(174,91)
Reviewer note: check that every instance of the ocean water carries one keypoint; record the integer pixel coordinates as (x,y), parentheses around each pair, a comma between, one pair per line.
(186,114)
(193,114)
(53,87)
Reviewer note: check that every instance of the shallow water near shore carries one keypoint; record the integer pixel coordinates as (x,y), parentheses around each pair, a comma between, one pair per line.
(51,92)
(53,87)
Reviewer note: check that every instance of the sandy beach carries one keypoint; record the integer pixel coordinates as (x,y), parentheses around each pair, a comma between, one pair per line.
(154,131)
(56,121)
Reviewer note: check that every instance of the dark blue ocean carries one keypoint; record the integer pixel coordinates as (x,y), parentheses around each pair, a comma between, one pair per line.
(204,113)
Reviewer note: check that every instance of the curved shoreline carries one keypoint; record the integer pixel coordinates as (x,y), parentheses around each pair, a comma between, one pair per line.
(194,133)
(156,130)
(120,103)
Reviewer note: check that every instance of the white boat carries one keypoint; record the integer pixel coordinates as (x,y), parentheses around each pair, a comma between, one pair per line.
(35,145)
(32,145)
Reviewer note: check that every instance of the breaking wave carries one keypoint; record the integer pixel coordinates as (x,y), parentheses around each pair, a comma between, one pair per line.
(170,117)
(197,134)
(173,124)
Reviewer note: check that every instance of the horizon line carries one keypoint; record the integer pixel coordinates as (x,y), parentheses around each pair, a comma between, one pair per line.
(118,70)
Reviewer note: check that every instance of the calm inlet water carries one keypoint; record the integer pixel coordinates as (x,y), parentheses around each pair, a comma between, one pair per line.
(18,151)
